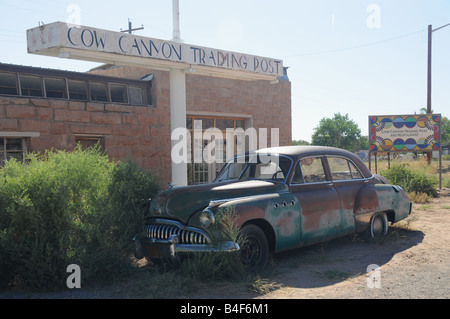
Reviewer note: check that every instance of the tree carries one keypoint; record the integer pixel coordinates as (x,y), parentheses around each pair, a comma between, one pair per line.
(300,142)
(338,131)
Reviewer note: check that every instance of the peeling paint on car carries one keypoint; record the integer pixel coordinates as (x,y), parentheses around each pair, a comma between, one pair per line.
(291,212)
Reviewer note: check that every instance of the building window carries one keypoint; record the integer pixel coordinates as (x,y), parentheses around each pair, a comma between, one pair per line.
(55,88)
(31,85)
(205,172)
(136,95)
(87,141)
(8,83)
(11,147)
(67,85)
(77,90)
(118,93)
(98,92)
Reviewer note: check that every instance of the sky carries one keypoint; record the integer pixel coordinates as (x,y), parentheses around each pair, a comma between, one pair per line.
(355,57)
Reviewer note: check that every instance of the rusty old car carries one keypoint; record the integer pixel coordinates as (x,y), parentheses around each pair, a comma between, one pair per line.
(284,198)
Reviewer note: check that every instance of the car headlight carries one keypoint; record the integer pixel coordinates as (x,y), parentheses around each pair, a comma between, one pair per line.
(207,218)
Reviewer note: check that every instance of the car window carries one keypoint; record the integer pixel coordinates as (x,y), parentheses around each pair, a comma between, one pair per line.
(309,170)
(260,168)
(231,172)
(343,169)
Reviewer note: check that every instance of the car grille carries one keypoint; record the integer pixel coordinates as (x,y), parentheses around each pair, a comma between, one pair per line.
(186,236)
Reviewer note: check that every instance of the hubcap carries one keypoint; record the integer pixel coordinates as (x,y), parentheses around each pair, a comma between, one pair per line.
(378,227)
(250,251)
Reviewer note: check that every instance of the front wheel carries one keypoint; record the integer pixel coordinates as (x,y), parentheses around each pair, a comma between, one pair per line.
(254,249)
(378,227)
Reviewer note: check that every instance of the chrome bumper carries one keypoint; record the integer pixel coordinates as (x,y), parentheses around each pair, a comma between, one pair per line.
(171,239)
(171,248)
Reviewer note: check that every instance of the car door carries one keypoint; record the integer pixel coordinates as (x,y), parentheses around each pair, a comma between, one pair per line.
(348,181)
(319,200)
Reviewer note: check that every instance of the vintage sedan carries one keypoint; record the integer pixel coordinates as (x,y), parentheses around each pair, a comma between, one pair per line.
(284,198)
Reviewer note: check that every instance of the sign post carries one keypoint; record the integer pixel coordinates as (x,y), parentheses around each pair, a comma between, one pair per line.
(62,40)
(406,133)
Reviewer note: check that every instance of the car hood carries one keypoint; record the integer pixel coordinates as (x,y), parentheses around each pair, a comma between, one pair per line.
(182,202)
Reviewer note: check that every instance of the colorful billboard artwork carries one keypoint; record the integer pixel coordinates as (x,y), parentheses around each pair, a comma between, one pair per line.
(404,133)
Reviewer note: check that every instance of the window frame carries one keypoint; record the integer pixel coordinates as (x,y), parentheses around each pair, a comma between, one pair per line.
(349,161)
(146,99)
(324,168)
(41,81)
(4,151)
(16,77)
(99,139)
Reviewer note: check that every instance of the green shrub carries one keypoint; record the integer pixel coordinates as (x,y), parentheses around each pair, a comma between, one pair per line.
(411,181)
(129,194)
(63,208)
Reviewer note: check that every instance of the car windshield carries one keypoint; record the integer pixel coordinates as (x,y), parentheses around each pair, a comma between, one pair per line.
(256,167)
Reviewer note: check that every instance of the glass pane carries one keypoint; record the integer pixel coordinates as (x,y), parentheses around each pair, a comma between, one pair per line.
(8,83)
(339,168)
(355,172)
(98,92)
(223,124)
(14,144)
(148,96)
(2,143)
(77,90)
(189,123)
(136,96)
(298,175)
(31,85)
(55,88)
(240,124)
(203,123)
(88,142)
(312,169)
(118,93)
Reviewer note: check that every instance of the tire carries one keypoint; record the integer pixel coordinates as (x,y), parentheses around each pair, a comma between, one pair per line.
(378,226)
(254,248)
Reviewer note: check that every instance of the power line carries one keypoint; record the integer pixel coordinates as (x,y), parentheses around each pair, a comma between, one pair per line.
(356,46)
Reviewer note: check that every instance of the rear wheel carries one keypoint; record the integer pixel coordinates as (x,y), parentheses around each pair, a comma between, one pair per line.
(378,227)
(254,249)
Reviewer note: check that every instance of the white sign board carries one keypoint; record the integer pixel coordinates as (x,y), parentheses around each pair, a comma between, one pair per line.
(92,44)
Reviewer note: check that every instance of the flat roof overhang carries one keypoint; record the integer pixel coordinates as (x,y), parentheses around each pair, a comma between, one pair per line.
(61,40)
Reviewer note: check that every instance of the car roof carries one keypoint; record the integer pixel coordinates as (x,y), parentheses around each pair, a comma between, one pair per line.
(297,151)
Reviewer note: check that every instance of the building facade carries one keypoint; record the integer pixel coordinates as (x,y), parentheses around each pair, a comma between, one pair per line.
(126,110)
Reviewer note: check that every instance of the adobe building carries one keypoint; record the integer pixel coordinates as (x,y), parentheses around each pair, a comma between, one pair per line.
(126,109)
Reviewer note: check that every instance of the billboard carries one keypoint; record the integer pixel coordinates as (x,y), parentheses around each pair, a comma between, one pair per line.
(404,133)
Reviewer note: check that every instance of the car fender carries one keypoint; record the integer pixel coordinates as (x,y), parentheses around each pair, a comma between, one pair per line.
(280,211)
(374,198)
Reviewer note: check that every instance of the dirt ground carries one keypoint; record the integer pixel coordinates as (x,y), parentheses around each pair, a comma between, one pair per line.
(412,262)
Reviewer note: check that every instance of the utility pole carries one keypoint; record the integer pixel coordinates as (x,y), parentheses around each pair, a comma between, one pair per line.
(130,27)
(430,36)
